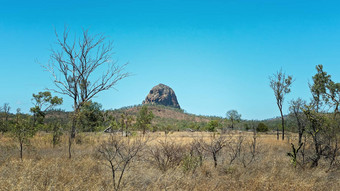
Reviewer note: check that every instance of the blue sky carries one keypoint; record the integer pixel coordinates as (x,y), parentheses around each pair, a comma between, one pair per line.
(216,55)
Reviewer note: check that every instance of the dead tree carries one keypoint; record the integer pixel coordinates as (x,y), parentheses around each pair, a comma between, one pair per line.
(77,68)
(214,146)
(120,152)
(235,148)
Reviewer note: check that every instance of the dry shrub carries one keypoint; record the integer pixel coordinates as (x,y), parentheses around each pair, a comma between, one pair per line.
(119,153)
(166,154)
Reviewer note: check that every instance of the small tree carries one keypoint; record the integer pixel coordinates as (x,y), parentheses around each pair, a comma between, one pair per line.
(144,119)
(43,101)
(321,127)
(90,116)
(234,117)
(214,146)
(280,83)
(166,155)
(318,88)
(317,129)
(261,127)
(125,122)
(212,125)
(22,130)
(296,108)
(57,133)
(326,88)
(120,153)
(6,112)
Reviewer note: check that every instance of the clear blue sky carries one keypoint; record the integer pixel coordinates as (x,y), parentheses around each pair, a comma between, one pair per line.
(216,55)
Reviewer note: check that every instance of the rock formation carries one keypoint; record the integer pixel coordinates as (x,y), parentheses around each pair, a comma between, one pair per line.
(162,95)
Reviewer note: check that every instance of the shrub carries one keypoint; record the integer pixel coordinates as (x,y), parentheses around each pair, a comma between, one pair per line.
(261,127)
(212,125)
(167,155)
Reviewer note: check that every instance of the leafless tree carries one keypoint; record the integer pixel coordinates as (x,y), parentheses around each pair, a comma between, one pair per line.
(214,146)
(296,108)
(120,152)
(196,149)
(280,83)
(77,67)
(166,154)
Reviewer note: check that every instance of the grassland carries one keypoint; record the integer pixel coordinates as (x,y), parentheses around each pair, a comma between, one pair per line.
(46,168)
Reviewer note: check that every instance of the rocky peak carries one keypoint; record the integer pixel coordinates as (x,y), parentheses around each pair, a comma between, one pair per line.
(163,95)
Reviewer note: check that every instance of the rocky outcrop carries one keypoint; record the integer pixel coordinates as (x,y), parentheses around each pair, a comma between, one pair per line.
(162,95)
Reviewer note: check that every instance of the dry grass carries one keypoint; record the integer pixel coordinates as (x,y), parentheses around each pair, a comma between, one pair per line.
(47,168)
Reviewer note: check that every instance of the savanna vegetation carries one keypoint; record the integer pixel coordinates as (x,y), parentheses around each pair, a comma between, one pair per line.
(152,147)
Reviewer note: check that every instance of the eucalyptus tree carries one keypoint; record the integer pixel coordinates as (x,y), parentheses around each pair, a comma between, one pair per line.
(22,130)
(324,131)
(318,88)
(43,101)
(144,118)
(280,83)
(324,87)
(234,117)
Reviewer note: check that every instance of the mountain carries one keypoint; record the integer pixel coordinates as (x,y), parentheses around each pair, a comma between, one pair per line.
(162,95)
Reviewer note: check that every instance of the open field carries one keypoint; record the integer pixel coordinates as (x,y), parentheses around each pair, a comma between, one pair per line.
(46,168)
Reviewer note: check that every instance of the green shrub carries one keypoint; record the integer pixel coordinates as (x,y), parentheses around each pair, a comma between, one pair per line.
(212,125)
(261,127)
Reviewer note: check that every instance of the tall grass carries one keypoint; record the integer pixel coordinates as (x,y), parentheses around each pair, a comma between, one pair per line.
(48,168)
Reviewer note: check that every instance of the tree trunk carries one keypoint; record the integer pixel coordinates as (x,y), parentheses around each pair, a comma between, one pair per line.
(300,136)
(21,148)
(215,160)
(69,147)
(74,124)
(283,125)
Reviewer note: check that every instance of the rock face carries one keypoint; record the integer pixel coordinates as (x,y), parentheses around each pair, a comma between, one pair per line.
(163,95)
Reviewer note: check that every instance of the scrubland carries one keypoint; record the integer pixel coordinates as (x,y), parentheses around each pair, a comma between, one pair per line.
(176,161)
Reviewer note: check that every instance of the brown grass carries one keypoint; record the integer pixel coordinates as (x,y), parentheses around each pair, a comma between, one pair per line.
(47,168)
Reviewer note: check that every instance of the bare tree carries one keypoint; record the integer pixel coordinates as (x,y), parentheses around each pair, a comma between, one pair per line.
(280,83)
(77,69)
(296,108)
(214,146)
(167,155)
(120,152)
(235,148)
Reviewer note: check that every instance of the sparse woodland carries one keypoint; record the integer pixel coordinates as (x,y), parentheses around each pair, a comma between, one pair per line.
(160,148)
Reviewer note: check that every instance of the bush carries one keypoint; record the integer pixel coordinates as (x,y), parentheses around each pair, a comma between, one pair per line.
(212,125)
(261,127)
(166,155)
